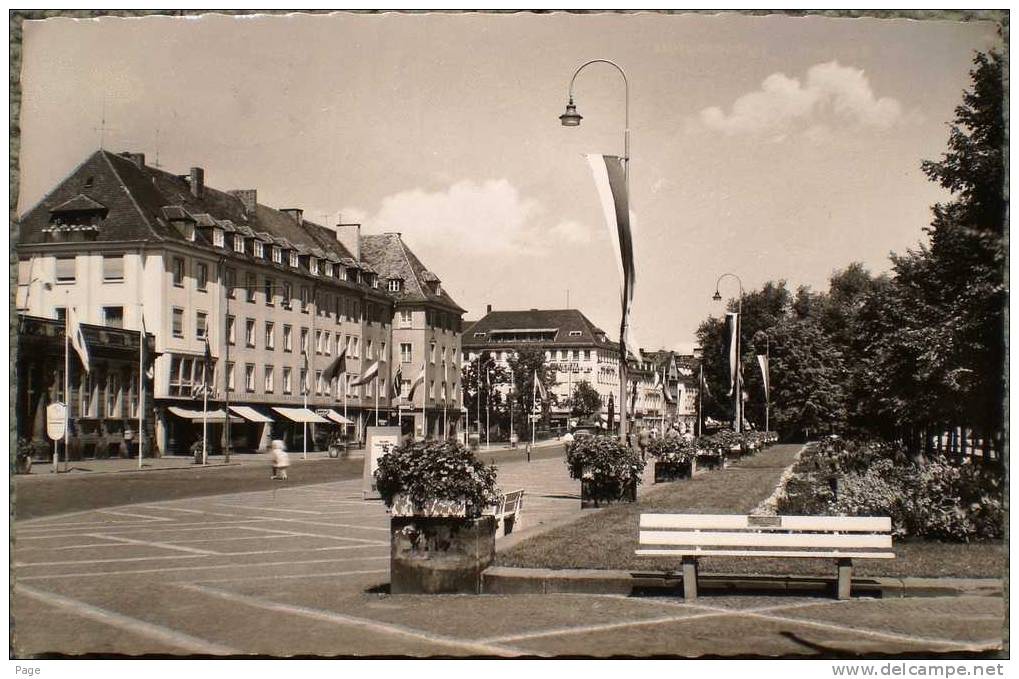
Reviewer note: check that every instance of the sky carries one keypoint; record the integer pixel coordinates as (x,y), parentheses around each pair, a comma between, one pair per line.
(772,147)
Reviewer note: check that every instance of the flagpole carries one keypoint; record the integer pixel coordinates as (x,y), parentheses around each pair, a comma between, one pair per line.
(377,383)
(67,397)
(346,387)
(767,382)
(205,417)
(700,402)
(534,406)
(141,389)
(424,403)
(488,409)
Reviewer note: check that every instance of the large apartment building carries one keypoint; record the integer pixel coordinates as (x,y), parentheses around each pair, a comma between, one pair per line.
(277,297)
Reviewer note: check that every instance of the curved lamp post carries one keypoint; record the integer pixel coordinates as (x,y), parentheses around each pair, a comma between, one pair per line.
(572,119)
(737,392)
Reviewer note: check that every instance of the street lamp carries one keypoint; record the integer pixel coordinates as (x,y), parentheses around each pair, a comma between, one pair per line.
(737,392)
(572,119)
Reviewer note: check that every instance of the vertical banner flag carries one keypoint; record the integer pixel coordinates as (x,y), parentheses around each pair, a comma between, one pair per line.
(339,365)
(540,387)
(370,374)
(398,381)
(419,380)
(207,364)
(77,338)
(665,388)
(633,398)
(610,181)
(732,321)
(762,360)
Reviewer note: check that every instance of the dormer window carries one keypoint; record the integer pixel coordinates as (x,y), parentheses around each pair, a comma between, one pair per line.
(277,254)
(217,237)
(395,285)
(313,266)
(575,333)
(259,249)
(238,243)
(293,259)
(375,281)
(327,270)
(438,288)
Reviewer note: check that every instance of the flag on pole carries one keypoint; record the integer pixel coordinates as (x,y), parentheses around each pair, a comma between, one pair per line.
(77,337)
(540,387)
(338,366)
(704,383)
(398,381)
(665,389)
(762,360)
(206,363)
(370,374)
(419,380)
(633,397)
(732,323)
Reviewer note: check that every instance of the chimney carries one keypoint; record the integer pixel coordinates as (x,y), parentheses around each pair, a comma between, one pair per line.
(137,158)
(197,182)
(295,213)
(488,309)
(248,198)
(349,236)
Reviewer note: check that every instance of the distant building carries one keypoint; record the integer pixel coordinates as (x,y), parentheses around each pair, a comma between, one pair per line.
(276,296)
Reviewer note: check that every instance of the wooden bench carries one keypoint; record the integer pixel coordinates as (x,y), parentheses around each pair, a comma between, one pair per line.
(507,511)
(690,536)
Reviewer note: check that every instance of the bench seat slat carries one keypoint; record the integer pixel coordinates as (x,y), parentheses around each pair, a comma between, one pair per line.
(748,539)
(846,554)
(845,524)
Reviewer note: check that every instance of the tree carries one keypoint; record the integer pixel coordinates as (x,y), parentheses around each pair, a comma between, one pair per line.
(481,394)
(585,400)
(524,365)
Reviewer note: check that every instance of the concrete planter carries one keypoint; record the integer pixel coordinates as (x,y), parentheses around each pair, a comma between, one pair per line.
(402,506)
(590,498)
(706,462)
(440,554)
(673,471)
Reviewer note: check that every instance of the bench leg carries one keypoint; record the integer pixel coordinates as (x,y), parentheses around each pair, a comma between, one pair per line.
(689,577)
(845,578)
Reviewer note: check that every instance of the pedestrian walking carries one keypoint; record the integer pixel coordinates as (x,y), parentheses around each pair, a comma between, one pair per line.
(279,459)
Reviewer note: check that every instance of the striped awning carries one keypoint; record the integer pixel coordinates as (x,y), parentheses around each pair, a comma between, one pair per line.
(334,416)
(301,415)
(250,414)
(198,415)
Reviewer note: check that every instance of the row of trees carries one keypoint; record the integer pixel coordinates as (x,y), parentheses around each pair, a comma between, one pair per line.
(903,355)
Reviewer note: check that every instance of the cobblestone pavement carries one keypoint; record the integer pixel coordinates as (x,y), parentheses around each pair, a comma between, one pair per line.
(300,571)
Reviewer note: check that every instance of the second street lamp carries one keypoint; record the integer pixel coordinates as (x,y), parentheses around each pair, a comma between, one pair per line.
(737,388)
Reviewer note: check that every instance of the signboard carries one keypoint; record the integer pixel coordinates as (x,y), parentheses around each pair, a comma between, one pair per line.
(56,420)
(380,440)
(534,418)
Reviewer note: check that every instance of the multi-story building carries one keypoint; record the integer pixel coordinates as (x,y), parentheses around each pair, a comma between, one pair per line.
(275,297)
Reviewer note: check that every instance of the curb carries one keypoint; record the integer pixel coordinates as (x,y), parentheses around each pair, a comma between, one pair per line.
(507,580)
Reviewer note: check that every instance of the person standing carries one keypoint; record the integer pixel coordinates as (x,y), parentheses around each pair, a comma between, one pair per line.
(279,460)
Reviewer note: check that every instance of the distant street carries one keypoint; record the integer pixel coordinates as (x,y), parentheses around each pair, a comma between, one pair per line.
(51,494)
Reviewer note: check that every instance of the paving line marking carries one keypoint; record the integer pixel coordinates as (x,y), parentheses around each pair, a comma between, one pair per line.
(170,569)
(475,648)
(309,575)
(323,523)
(305,549)
(25,564)
(242,537)
(113,512)
(273,509)
(295,534)
(159,545)
(126,623)
(203,526)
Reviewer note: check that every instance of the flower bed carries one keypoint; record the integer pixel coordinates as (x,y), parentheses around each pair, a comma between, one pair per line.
(609,471)
(674,458)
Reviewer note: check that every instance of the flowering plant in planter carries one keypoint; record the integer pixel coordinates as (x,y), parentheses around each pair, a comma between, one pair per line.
(436,477)
(606,465)
(671,449)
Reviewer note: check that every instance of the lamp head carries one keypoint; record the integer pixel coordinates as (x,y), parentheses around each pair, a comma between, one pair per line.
(571,118)
(717,297)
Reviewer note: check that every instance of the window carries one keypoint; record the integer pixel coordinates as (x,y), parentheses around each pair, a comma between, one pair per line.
(325,344)
(86,402)
(293,259)
(406,318)
(238,243)
(479,334)
(304,340)
(259,249)
(201,324)
(60,313)
(230,281)
(249,332)
(178,272)
(313,265)
(318,383)
(270,335)
(202,276)
(305,299)
(354,350)
(249,377)
(288,386)
(250,283)
(575,333)
(288,293)
(395,285)
(382,351)
(268,384)
(277,254)
(304,380)
(368,350)
(405,352)
(342,273)
(182,375)
(114,395)
(66,269)
(337,307)
(217,237)
(327,269)
(113,316)
(288,338)
(231,329)
(431,353)
(318,341)
(270,295)
(113,267)
(178,322)
(230,376)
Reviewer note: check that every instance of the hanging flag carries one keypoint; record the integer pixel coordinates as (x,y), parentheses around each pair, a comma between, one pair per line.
(665,388)
(77,338)
(398,381)
(762,360)
(704,383)
(370,374)
(338,366)
(540,387)
(207,363)
(419,380)
(633,398)
(732,327)
(149,372)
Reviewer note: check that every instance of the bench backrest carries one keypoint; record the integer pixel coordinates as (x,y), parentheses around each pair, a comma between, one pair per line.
(720,531)
(510,503)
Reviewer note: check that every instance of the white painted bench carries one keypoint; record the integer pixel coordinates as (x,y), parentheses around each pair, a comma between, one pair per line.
(690,536)
(507,510)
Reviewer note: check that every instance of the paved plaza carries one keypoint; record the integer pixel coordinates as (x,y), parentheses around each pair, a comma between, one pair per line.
(302,571)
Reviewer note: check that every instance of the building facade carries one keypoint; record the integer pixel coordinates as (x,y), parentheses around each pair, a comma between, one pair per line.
(275,297)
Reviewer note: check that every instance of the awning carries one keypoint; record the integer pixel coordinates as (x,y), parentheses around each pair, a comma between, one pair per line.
(301,415)
(250,414)
(334,416)
(197,415)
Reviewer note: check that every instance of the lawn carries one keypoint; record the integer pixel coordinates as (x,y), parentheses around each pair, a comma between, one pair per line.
(607,538)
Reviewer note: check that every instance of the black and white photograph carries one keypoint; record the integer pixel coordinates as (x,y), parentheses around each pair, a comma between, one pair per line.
(509,334)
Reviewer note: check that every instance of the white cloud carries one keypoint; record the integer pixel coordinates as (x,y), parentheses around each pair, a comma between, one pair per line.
(831,92)
(572,232)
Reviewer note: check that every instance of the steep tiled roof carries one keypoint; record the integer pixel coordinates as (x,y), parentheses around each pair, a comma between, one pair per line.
(80,203)
(563,321)
(390,257)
